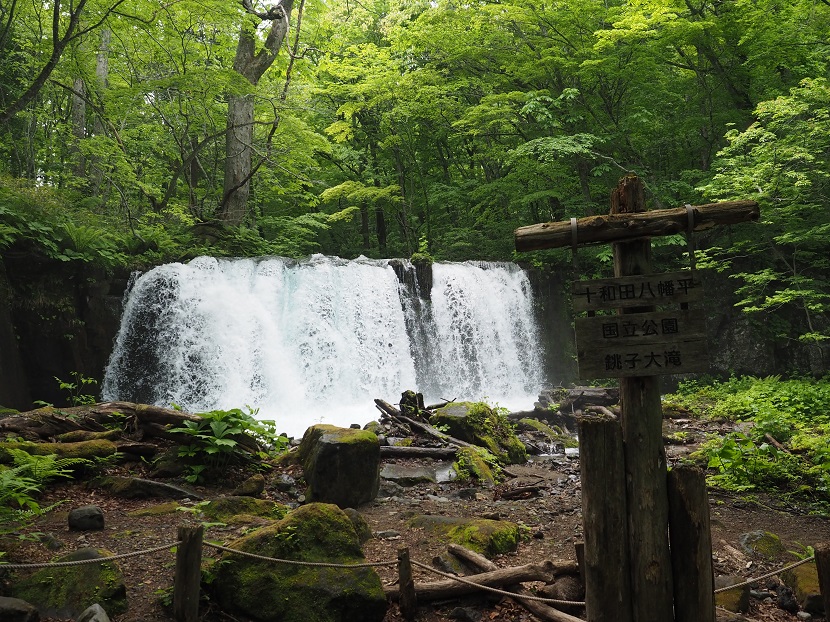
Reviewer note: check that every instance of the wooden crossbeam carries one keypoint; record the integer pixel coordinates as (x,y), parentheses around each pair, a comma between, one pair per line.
(626,227)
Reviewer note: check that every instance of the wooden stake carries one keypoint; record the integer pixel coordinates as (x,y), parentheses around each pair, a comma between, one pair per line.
(408,600)
(645,457)
(188,574)
(606,558)
(823,567)
(691,545)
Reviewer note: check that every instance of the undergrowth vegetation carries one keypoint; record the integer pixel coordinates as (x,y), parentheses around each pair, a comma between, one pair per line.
(782,446)
(217,441)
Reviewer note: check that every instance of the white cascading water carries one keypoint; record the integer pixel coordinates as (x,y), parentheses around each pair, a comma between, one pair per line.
(317,341)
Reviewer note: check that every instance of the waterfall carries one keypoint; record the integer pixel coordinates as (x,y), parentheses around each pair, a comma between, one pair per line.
(318,340)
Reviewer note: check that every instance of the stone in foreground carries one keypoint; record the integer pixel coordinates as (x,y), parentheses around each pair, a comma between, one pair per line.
(341,465)
(280,592)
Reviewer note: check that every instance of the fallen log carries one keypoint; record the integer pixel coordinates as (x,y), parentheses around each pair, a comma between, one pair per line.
(398,451)
(481,563)
(450,588)
(539,609)
(45,423)
(155,421)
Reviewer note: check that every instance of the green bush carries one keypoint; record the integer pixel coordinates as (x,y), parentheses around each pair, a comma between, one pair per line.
(216,440)
(792,413)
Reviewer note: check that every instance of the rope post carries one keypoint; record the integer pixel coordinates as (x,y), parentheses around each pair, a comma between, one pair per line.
(691,545)
(188,574)
(408,599)
(823,567)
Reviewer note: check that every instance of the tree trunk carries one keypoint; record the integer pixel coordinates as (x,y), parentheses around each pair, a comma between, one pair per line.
(238,153)
(78,127)
(102,72)
(252,64)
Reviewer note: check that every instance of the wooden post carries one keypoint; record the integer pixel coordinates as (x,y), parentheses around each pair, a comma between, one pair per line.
(645,456)
(823,567)
(188,574)
(408,600)
(606,563)
(691,545)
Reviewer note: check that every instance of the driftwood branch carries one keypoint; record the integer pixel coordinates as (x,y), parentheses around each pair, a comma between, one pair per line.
(450,588)
(626,227)
(424,427)
(538,609)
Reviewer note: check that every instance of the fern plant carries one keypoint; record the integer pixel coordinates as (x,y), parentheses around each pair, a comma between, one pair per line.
(19,485)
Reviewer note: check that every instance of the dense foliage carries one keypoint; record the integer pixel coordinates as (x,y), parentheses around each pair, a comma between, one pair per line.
(389,127)
(780,446)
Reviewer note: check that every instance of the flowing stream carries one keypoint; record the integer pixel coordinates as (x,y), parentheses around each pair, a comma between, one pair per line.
(318,340)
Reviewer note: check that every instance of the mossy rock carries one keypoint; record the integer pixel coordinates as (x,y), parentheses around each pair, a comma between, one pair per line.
(99,448)
(76,436)
(554,434)
(472,463)
(224,509)
(485,536)
(281,592)
(341,465)
(479,424)
(159,509)
(65,592)
(736,600)
(805,585)
(764,543)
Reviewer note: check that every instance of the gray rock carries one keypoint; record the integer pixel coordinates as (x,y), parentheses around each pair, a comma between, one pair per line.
(94,613)
(138,488)
(803,615)
(86,518)
(404,475)
(251,487)
(17,610)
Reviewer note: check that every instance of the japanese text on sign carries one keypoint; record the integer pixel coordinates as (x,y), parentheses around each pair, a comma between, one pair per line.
(642,290)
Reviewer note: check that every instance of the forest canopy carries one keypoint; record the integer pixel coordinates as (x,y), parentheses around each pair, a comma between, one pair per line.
(140,131)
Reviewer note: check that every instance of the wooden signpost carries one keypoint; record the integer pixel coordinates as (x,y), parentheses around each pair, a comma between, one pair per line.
(637,344)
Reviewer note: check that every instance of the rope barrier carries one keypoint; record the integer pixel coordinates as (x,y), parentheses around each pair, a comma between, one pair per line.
(487,588)
(296,562)
(765,576)
(82,562)
(552,601)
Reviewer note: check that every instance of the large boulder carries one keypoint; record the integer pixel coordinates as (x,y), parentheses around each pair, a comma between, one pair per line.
(341,466)
(66,591)
(282,592)
(479,424)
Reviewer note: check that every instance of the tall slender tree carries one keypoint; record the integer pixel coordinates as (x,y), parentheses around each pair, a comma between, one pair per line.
(252,63)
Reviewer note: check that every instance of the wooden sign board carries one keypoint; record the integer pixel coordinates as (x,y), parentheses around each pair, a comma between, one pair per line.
(641,344)
(637,291)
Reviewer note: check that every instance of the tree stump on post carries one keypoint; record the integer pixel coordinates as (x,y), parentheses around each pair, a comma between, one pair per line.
(823,567)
